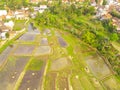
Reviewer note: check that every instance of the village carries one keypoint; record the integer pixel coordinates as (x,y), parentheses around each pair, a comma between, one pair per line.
(8,17)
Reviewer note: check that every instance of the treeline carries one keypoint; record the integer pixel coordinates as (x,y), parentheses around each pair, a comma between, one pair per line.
(115,13)
(13,4)
(79,20)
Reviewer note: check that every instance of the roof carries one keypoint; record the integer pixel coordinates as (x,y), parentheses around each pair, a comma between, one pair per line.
(43,6)
(3,28)
(3,12)
(1,23)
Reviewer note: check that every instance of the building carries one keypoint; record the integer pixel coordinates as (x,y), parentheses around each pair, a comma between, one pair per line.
(3,12)
(21,14)
(3,30)
(42,8)
(34,1)
(9,24)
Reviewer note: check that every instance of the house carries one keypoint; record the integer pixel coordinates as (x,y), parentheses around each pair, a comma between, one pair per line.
(9,24)
(116,22)
(109,2)
(3,30)
(118,29)
(106,16)
(36,8)
(33,15)
(21,14)
(2,18)
(10,15)
(2,35)
(93,4)
(3,12)
(42,8)
(34,1)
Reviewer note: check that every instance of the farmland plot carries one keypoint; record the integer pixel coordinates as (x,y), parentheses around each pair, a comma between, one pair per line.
(10,73)
(44,41)
(5,54)
(31,80)
(111,84)
(27,37)
(43,50)
(33,77)
(50,81)
(76,84)
(63,83)
(24,50)
(98,66)
(62,42)
(59,64)
(36,31)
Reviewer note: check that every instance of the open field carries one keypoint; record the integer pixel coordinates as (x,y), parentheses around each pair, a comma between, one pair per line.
(27,37)
(50,83)
(111,84)
(98,66)
(43,50)
(63,83)
(46,65)
(44,41)
(31,80)
(24,50)
(59,64)
(10,73)
(4,55)
(76,84)
(62,42)
(33,77)
(19,24)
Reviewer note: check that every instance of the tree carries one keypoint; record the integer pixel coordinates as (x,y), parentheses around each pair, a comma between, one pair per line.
(114,37)
(7,35)
(89,37)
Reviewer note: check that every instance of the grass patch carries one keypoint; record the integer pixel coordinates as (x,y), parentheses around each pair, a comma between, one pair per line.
(116,45)
(19,24)
(35,65)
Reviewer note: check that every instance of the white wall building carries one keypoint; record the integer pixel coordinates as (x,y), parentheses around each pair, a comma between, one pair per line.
(109,2)
(9,24)
(3,12)
(42,8)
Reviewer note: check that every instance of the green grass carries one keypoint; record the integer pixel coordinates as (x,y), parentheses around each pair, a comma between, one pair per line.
(19,24)
(116,45)
(35,64)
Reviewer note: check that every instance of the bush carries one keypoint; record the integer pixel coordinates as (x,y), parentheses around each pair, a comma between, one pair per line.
(7,35)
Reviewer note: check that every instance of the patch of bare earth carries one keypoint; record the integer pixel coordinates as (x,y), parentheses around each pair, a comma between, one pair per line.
(43,50)
(32,80)
(60,63)
(11,72)
(51,81)
(24,50)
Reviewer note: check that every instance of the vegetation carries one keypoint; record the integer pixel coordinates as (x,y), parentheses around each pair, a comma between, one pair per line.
(115,13)
(13,4)
(19,24)
(35,64)
(7,35)
(78,19)
(104,2)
